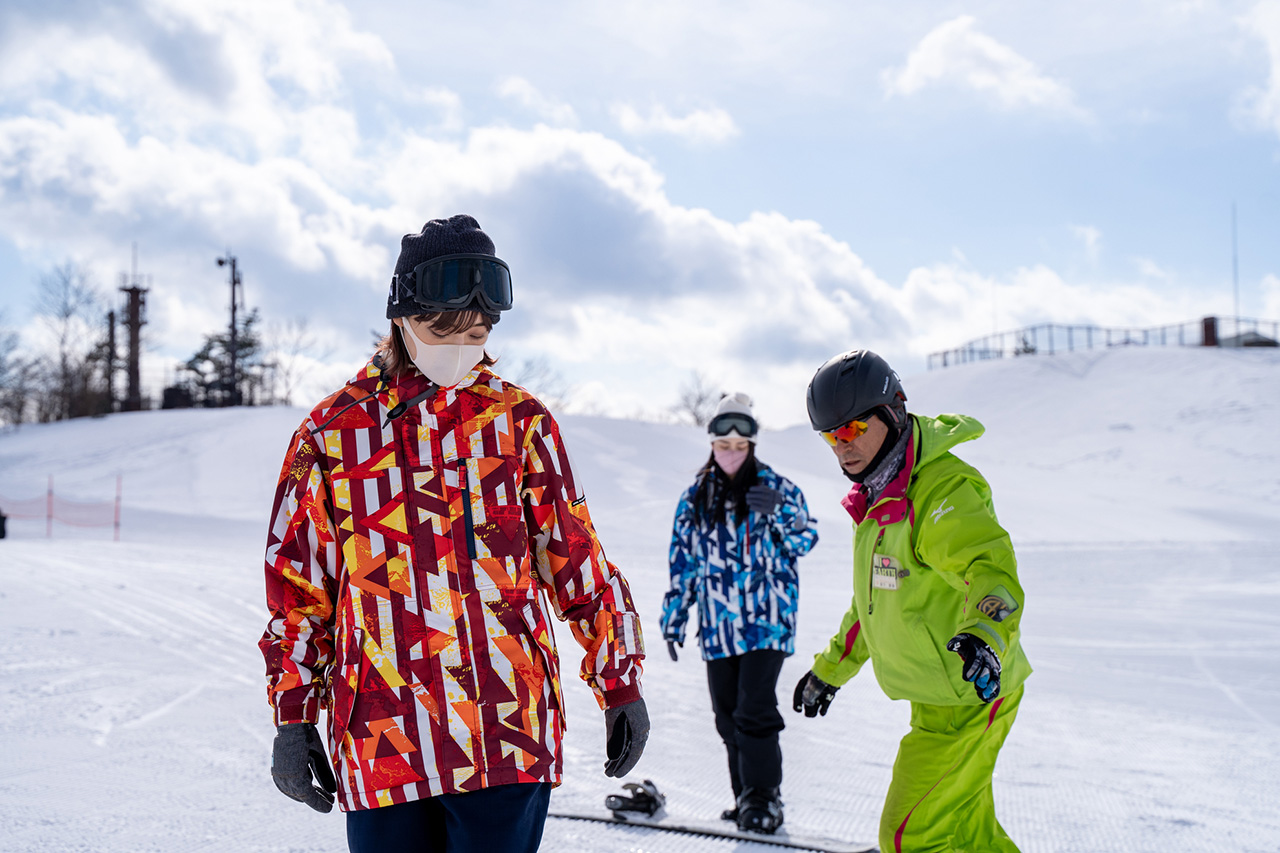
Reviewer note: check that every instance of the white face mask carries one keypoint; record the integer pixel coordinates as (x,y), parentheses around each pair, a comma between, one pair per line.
(444,364)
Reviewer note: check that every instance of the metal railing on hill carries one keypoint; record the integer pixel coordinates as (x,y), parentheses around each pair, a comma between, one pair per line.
(1052,338)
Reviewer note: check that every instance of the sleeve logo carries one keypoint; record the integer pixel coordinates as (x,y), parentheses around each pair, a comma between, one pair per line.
(998,605)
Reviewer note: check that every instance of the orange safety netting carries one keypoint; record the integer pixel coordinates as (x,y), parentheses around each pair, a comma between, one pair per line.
(78,514)
(25,508)
(53,508)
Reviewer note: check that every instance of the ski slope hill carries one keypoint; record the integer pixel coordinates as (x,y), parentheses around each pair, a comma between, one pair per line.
(1105,446)
(1142,488)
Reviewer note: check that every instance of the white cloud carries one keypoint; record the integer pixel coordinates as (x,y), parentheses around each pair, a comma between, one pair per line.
(523,92)
(698,126)
(759,302)
(1091,238)
(269,154)
(442,100)
(1271,297)
(239,69)
(956,53)
(1148,268)
(949,305)
(1262,104)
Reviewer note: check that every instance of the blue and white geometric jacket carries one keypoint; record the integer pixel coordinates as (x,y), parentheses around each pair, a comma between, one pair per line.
(743,578)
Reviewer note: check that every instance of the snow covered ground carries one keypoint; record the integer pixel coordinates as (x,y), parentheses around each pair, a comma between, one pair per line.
(1142,489)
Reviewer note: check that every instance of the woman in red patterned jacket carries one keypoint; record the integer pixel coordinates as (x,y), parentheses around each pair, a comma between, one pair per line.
(425,515)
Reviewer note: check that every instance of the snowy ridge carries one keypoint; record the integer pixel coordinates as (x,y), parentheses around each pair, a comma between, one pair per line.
(1071,441)
(1142,488)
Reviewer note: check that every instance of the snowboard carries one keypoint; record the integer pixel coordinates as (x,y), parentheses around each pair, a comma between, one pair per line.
(662,822)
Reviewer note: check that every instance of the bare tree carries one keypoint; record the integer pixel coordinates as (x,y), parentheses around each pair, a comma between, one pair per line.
(16,381)
(291,345)
(67,304)
(698,399)
(537,375)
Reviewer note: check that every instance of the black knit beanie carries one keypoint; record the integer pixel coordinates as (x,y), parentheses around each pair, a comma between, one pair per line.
(457,235)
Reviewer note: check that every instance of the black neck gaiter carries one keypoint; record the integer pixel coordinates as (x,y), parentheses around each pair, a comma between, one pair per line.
(877,477)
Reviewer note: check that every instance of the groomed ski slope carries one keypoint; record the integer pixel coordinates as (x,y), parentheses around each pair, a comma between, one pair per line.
(1141,487)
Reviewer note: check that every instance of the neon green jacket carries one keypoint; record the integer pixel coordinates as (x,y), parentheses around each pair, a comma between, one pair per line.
(929,561)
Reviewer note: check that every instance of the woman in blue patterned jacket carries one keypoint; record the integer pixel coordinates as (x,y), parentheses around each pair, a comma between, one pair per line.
(738,532)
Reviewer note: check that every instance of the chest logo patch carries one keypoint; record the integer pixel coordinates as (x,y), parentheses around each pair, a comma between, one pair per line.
(886,572)
(942,510)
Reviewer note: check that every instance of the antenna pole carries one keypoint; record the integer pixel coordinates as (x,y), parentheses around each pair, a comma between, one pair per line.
(135,319)
(233,396)
(1235,271)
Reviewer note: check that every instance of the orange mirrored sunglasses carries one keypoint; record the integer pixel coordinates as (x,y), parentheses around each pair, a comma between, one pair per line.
(848,432)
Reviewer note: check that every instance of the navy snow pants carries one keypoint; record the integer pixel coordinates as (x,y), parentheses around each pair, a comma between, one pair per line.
(501,819)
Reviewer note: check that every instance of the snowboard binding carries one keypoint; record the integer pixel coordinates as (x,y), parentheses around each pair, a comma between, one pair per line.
(644,799)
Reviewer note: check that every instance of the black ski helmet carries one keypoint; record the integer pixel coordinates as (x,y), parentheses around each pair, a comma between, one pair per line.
(855,383)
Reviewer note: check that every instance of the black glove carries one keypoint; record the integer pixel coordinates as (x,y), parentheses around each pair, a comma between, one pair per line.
(981,666)
(671,649)
(626,731)
(813,695)
(763,499)
(296,754)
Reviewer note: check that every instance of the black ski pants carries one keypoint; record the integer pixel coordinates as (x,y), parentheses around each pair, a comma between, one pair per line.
(744,696)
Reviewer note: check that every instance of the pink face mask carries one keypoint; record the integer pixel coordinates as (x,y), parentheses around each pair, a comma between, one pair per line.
(730,460)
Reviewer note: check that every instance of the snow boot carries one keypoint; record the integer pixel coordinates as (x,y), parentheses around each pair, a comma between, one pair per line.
(760,810)
(643,798)
(730,815)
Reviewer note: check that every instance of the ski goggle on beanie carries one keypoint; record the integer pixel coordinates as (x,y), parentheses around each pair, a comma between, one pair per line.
(723,425)
(453,282)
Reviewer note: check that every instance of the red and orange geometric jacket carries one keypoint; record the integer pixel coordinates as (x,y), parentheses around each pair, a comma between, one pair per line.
(404,567)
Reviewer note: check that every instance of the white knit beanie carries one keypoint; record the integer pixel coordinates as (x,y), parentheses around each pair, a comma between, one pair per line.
(737,403)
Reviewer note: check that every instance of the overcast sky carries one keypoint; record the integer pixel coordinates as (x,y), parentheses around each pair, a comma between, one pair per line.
(742,188)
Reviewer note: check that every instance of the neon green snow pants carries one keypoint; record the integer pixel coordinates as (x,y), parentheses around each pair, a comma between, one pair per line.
(940,798)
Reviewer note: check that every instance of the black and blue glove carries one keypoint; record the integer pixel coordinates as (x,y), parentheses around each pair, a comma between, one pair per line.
(981,665)
(812,695)
(671,649)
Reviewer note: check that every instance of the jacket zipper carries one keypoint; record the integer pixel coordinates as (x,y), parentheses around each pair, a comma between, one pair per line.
(748,571)
(401,432)
(469,658)
(466,512)
(871,575)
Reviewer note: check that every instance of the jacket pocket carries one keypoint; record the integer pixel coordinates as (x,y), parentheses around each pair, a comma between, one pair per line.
(344,685)
(535,620)
(910,666)
(958,690)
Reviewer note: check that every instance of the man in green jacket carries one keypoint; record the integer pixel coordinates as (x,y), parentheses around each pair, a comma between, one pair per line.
(936,605)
